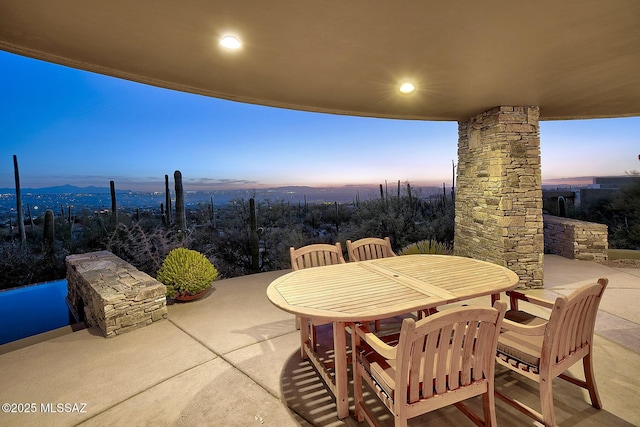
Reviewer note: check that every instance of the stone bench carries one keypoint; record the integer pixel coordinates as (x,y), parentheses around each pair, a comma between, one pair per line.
(575,239)
(107,292)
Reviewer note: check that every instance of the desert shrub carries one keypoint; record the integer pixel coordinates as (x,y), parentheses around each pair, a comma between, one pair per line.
(624,226)
(21,265)
(405,218)
(431,247)
(144,248)
(16,265)
(620,212)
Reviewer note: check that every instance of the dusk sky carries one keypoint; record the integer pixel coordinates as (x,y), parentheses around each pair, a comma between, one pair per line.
(74,127)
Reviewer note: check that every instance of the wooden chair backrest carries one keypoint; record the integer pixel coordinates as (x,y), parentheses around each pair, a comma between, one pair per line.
(447,351)
(571,324)
(369,248)
(316,255)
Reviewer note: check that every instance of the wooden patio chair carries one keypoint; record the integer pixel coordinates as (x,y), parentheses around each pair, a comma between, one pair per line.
(438,361)
(375,248)
(369,248)
(314,255)
(542,349)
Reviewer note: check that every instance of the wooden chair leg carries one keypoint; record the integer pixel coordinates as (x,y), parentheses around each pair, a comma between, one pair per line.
(304,335)
(401,421)
(587,363)
(489,408)
(357,379)
(314,338)
(546,400)
(426,313)
(513,303)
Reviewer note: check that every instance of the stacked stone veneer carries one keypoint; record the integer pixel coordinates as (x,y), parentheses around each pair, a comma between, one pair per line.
(575,239)
(112,294)
(499,191)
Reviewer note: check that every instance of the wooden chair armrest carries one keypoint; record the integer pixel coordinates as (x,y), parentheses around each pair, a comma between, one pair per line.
(514,296)
(510,326)
(383,349)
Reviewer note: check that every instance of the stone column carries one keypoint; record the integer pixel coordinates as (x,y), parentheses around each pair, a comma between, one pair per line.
(499,191)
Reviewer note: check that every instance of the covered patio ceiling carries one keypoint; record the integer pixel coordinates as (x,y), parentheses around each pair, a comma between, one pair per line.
(573,58)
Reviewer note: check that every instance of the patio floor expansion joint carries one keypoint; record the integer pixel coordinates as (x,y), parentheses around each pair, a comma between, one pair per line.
(229,362)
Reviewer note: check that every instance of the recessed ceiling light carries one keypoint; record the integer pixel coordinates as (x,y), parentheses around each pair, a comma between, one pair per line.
(407,88)
(230,42)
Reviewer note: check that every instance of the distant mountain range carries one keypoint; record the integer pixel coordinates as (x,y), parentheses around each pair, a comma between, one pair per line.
(63,189)
(391,187)
(575,181)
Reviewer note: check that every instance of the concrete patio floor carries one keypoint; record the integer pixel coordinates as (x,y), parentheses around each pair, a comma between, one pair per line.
(232,359)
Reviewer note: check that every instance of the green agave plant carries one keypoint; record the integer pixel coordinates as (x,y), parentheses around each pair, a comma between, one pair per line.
(426,247)
(186,272)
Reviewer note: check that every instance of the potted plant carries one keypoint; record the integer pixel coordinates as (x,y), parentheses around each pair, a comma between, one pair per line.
(187,274)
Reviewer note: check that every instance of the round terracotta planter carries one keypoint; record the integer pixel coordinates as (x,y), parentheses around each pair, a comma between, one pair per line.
(191,297)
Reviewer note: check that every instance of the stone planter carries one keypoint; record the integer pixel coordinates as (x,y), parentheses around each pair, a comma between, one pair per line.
(108,292)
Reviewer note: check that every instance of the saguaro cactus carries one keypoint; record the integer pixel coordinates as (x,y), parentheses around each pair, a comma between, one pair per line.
(22,231)
(453,182)
(167,196)
(163,214)
(181,217)
(114,212)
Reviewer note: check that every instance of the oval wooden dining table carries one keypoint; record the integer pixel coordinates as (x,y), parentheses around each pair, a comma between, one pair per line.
(378,289)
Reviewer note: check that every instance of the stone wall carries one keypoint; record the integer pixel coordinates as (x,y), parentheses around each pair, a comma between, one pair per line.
(499,191)
(108,292)
(575,239)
